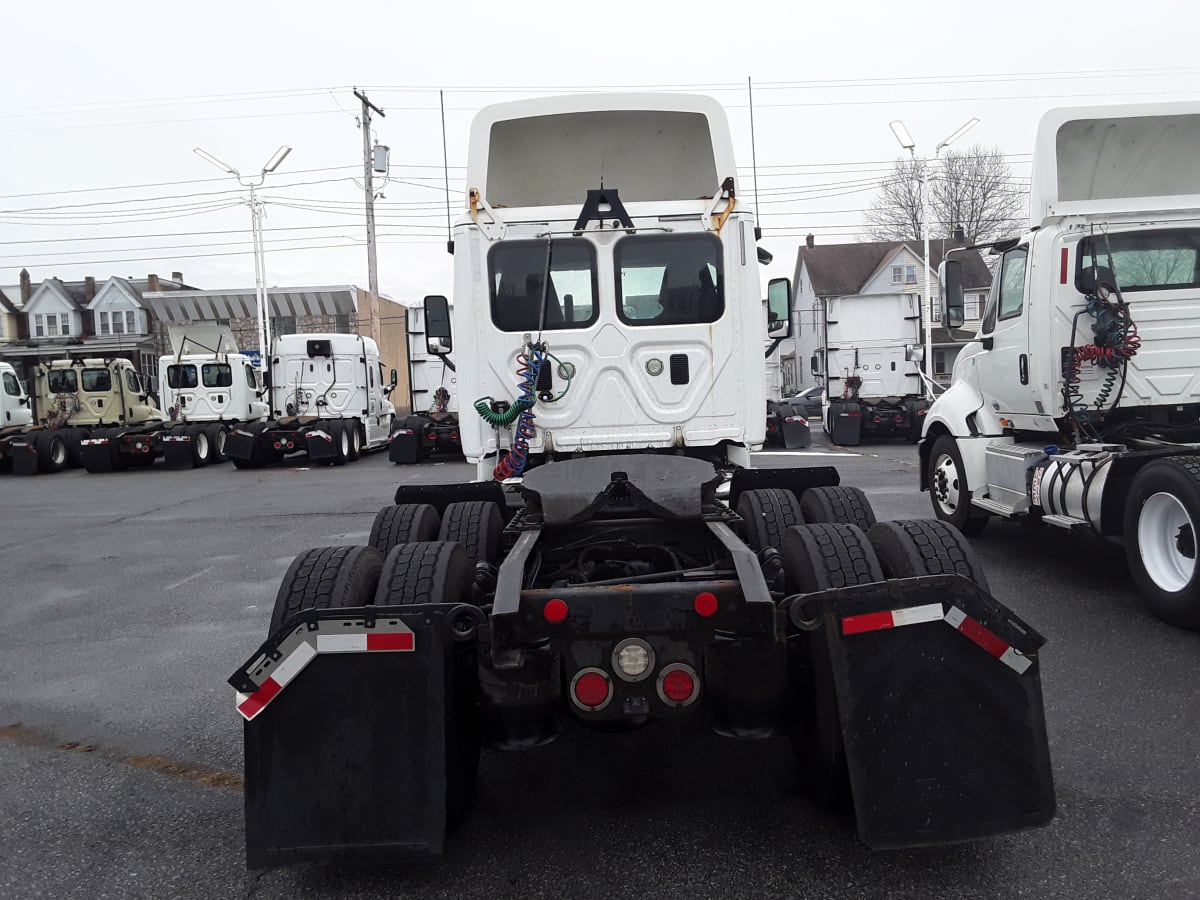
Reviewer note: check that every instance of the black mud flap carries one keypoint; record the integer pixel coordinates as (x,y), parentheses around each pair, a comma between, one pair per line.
(346,759)
(940,698)
(319,443)
(796,434)
(24,458)
(238,445)
(177,450)
(96,454)
(404,446)
(795,480)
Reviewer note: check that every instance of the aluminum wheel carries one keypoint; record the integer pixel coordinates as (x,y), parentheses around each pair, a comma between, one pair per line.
(1166,540)
(221,435)
(201,440)
(58,453)
(944,484)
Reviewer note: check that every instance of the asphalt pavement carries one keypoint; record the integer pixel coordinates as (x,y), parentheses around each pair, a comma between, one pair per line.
(129,598)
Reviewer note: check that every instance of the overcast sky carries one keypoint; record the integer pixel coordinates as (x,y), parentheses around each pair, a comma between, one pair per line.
(114,96)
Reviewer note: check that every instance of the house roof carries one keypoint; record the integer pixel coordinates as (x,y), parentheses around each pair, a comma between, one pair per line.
(6,304)
(198,306)
(838,270)
(71,292)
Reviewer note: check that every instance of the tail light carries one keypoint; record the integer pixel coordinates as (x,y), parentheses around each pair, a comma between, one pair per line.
(678,684)
(278,446)
(591,689)
(633,659)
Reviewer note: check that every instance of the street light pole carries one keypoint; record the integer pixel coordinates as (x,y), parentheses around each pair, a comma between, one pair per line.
(926,178)
(256,214)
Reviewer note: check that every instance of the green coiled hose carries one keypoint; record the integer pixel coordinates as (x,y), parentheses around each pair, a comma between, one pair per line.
(501,419)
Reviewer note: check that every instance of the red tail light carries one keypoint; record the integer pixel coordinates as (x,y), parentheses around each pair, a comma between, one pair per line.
(678,684)
(705,604)
(555,611)
(278,446)
(591,689)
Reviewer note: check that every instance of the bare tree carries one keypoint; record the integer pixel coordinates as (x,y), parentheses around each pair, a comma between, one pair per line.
(972,189)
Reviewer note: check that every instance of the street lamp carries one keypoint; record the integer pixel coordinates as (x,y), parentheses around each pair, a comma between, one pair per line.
(906,141)
(260,288)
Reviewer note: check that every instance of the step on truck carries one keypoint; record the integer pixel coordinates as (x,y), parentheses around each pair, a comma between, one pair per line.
(863,348)
(328,400)
(432,427)
(629,581)
(1078,406)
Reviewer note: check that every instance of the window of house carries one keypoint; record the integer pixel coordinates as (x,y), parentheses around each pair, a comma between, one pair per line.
(897,274)
(39,326)
(910,274)
(283,325)
(971,305)
(939,362)
(216,375)
(96,380)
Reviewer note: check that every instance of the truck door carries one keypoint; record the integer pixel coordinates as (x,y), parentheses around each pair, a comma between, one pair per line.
(1003,367)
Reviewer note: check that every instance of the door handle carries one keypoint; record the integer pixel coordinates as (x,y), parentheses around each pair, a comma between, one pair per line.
(1023,368)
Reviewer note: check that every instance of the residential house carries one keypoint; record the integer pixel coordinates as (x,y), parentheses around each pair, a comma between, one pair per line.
(9,315)
(874,268)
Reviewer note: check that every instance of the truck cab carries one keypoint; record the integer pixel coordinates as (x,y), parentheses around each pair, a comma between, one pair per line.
(86,392)
(208,388)
(606,285)
(15,408)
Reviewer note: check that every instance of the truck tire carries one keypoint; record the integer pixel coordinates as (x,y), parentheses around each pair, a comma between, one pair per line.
(476,524)
(768,513)
(911,548)
(948,489)
(436,572)
(354,431)
(404,524)
(73,437)
(217,433)
(201,445)
(848,505)
(52,452)
(815,558)
(341,442)
(327,578)
(1162,513)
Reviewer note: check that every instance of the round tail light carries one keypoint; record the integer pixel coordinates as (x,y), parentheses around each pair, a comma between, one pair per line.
(678,684)
(591,689)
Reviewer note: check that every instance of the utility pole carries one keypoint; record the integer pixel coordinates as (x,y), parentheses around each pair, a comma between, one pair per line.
(369,186)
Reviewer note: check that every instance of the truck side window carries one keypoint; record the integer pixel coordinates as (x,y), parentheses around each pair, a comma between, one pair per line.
(97,380)
(131,381)
(1012,283)
(517,272)
(216,375)
(11,385)
(252,377)
(672,280)
(181,376)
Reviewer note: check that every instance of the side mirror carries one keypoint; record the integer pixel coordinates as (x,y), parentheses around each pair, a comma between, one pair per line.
(24,401)
(394,378)
(950,282)
(779,308)
(437,325)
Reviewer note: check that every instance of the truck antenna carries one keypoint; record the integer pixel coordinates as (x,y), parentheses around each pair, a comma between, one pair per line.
(753,158)
(446,173)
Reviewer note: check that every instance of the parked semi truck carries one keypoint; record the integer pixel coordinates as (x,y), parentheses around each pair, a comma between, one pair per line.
(16,412)
(432,427)
(629,582)
(864,350)
(787,423)
(328,399)
(1079,404)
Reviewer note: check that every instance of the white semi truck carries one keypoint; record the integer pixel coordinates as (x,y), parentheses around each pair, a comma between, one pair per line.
(328,398)
(1078,406)
(16,412)
(862,349)
(432,426)
(609,325)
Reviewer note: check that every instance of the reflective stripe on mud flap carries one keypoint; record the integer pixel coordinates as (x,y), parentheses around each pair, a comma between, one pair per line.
(304,644)
(177,439)
(968,627)
(932,612)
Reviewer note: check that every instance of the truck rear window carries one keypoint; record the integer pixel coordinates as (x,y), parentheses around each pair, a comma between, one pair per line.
(11,386)
(62,381)
(96,380)
(181,377)
(1143,260)
(672,280)
(216,375)
(517,272)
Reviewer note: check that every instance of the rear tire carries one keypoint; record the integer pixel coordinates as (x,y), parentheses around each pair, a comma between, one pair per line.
(52,452)
(907,549)
(327,578)
(847,505)
(948,489)
(476,524)
(1161,517)
(201,446)
(816,558)
(436,572)
(768,514)
(404,524)
(341,442)
(354,430)
(217,434)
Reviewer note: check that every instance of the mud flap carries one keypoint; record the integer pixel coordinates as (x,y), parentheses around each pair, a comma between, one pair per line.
(24,458)
(239,444)
(346,759)
(96,454)
(320,444)
(939,693)
(177,450)
(404,447)
(796,433)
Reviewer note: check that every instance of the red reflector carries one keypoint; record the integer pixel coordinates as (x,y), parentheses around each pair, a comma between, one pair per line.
(454,435)
(706,603)
(400,640)
(260,698)
(1062,272)
(983,637)
(678,686)
(878,419)
(278,446)
(145,449)
(555,611)
(291,446)
(591,689)
(899,418)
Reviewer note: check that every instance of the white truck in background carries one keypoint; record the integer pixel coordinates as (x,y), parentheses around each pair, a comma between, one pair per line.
(864,350)
(328,398)
(433,425)
(1078,406)
(16,412)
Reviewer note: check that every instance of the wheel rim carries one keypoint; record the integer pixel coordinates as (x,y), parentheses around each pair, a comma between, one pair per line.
(58,452)
(1167,542)
(221,435)
(201,440)
(357,440)
(944,486)
(345,443)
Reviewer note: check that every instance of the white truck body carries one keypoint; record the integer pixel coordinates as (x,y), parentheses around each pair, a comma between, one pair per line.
(1116,196)
(208,388)
(427,372)
(15,409)
(655,326)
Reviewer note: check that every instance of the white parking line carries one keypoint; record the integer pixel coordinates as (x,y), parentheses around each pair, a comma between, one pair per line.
(804,453)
